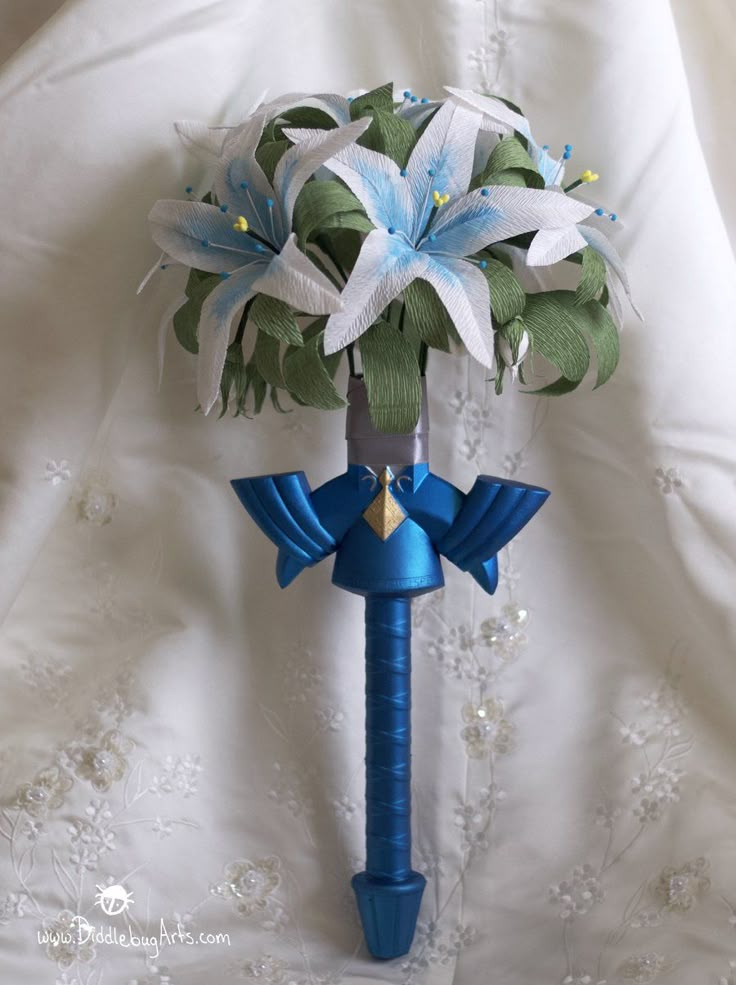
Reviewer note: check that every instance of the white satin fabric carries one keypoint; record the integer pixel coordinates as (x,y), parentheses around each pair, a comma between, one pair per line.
(175,724)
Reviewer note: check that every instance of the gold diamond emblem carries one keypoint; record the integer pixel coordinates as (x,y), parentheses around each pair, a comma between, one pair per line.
(384,515)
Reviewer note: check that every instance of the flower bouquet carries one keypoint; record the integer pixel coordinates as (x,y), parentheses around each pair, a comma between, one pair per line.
(380,228)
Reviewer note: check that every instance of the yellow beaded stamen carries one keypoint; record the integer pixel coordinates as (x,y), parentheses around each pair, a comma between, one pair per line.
(241,225)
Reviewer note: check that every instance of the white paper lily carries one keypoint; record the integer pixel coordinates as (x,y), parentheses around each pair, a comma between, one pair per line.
(414,239)
(264,258)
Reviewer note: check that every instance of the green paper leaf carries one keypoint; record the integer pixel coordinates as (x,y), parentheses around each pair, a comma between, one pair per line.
(392,379)
(559,388)
(275,318)
(308,117)
(342,244)
(186,319)
(508,297)
(267,357)
(307,377)
(391,135)
(554,324)
(513,332)
(593,277)
(322,204)
(513,178)
(276,403)
(234,380)
(380,98)
(602,330)
(269,154)
(427,314)
(255,381)
(509,161)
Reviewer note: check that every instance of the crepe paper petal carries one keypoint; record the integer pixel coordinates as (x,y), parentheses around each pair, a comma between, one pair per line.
(601,244)
(164,327)
(553,171)
(376,180)
(442,160)
(299,163)
(417,113)
(463,289)
(203,141)
(292,277)
(551,245)
(240,183)
(157,266)
(218,312)
(385,266)
(332,103)
(496,115)
(202,236)
(478,219)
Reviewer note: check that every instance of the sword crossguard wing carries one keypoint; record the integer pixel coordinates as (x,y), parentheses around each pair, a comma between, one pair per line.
(493,512)
(281,505)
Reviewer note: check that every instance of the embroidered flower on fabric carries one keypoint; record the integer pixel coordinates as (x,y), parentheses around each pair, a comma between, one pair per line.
(579,894)
(641,969)
(487,730)
(513,463)
(96,502)
(505,633)
(91,836)
(606,814)
(104,763)
(13,906)
(633,735)
(344,808)
(330,720)
(57,472)
(679,889)
(471,447)
(647,918)
(180,774)
(45,793)
(662,784)
(667,480)
(267,969)
(163,827)
(64,943)
(290,787)
(250,884)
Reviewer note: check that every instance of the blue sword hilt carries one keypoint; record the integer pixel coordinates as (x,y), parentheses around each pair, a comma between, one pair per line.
(387,535)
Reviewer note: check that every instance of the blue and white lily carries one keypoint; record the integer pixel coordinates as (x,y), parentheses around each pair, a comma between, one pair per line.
(550,244)
(418,237)
(248,238)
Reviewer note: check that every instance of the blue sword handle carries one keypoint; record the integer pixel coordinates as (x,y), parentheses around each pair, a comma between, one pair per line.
(388,892)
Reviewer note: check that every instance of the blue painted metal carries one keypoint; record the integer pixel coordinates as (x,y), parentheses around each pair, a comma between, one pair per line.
(469,530)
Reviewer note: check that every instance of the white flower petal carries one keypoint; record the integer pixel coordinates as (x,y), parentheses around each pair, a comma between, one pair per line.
(299,163)
(384,268)
(201,236)
(292,277)
(203,141)
(463,289)
(218,312)
(442,160)
(375,180)
(551,245)
(496,115)
(476,220)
